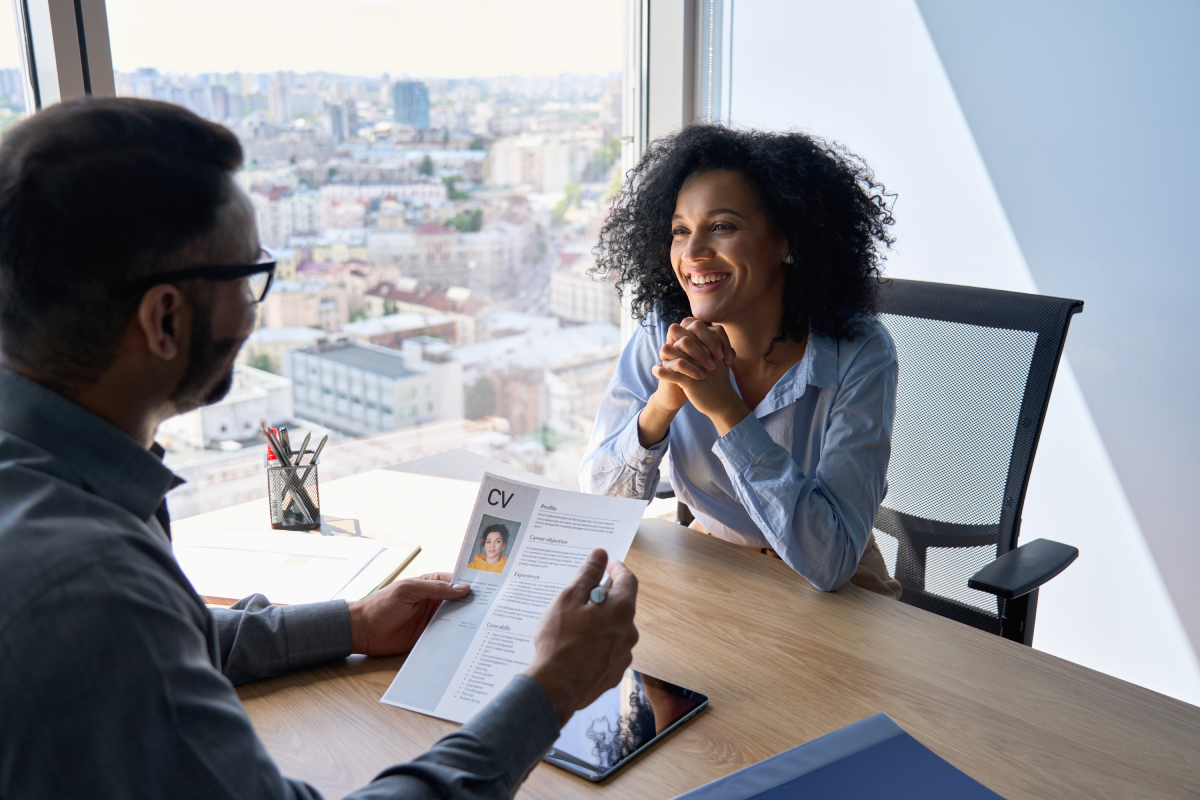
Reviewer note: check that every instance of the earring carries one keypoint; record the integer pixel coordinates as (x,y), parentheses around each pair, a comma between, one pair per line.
(790,259)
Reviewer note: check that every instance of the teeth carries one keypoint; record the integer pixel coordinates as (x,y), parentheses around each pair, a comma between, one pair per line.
(700,280)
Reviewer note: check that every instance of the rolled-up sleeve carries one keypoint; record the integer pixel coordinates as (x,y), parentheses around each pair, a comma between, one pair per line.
(259,640)
(616,463)
(819,524)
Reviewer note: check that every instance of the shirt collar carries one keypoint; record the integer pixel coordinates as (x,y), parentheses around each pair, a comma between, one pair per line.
(818,367)
(108,462)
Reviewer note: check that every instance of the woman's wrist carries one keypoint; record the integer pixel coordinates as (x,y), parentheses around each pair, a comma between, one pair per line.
(654,422)
(727,418)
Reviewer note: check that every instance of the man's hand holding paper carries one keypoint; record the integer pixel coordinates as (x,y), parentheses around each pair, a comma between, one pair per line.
(531,615)
(390,621)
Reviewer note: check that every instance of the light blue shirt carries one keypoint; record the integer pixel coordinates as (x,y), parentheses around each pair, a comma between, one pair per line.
(804,474)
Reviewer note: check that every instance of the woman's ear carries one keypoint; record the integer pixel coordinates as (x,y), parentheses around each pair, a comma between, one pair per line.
(159,318)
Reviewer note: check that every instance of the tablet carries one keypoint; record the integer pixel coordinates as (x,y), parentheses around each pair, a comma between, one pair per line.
(621,724)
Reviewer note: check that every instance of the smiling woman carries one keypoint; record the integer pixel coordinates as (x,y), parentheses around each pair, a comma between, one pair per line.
(753,262)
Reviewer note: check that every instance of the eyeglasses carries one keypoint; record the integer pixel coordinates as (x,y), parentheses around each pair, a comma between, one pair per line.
(260,275)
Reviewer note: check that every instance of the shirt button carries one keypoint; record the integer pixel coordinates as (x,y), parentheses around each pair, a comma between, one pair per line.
(649,460)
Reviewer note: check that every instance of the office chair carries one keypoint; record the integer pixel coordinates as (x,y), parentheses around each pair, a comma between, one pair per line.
(976,370)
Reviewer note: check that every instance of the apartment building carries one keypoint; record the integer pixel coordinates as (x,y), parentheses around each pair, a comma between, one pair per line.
(363,388)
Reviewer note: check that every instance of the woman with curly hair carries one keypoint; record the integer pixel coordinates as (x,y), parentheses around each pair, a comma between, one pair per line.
(753,262)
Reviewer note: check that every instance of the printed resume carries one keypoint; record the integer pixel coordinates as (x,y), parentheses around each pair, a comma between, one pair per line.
(523,545)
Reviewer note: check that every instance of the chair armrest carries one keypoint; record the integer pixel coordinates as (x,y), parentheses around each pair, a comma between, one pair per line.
(664,491)
(1020,571)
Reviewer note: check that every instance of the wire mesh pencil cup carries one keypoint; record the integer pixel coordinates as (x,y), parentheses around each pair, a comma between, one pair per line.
(294,497)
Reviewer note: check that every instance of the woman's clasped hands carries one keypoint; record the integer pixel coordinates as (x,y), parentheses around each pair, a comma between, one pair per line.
(696,366)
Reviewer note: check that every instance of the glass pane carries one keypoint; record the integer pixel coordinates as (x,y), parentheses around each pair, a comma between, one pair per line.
(12,84)
(432,177)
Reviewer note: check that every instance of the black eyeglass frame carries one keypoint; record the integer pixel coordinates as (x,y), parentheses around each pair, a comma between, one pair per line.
(267,262)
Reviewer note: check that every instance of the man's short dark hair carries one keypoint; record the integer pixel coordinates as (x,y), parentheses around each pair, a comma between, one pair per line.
(93,193)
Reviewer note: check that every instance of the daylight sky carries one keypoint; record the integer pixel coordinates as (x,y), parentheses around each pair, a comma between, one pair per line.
(445,38)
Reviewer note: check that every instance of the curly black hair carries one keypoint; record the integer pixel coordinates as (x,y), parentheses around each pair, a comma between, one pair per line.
(820,196)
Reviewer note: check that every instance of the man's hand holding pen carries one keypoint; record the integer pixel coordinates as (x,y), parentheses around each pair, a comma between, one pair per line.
(584,647)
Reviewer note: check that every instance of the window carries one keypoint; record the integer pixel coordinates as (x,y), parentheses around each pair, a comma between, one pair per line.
(432,165)
(12,81)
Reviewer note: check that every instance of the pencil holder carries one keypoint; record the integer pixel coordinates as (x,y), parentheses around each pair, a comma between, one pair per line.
(295,500)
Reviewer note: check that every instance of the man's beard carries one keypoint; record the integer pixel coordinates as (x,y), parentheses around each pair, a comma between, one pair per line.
(209,373)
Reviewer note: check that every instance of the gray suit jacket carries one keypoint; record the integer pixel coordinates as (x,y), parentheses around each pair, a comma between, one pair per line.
(117,681)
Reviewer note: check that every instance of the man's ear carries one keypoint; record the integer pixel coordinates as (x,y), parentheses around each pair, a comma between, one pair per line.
(160,320)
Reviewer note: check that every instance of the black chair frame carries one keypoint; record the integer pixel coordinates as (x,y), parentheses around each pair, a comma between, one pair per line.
(1018,571)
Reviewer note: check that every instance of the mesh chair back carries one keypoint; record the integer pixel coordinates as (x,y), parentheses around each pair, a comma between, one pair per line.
(976,370)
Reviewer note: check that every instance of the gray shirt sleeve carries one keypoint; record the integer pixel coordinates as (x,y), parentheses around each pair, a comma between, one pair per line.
(486,759)
(109,690)
(259,640)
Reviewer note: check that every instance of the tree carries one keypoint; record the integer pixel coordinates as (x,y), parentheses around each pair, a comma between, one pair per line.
(573,197)
(426,167)
(603,161)
(262,361)
(467,221)
(480,401)
(389,306)
(452,192)
(358,315)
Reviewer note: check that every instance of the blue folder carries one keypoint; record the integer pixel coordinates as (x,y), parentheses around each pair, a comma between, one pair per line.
(872,759)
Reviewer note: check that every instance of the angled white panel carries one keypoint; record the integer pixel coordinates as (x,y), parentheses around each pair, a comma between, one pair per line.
(865,72)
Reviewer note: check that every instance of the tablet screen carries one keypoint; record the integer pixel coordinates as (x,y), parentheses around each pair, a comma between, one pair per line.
(622,722)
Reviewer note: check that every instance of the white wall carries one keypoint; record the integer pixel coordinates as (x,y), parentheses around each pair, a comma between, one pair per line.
(865,72)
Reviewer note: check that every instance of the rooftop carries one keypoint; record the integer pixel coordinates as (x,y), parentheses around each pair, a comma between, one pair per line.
(394,323)
(505,320)
(544,347)
(306,285)
(249,382)
(369,358)
(292,334)
(456,298)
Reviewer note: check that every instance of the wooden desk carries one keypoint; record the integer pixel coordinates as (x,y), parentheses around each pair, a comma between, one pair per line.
(782,662)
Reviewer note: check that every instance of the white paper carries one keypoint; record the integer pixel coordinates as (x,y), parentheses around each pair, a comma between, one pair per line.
(286,567)
(473,647)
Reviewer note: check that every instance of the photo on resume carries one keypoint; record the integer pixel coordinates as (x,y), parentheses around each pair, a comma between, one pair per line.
(493,544)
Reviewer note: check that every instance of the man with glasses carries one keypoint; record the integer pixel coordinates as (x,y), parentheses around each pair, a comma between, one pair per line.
(130,269)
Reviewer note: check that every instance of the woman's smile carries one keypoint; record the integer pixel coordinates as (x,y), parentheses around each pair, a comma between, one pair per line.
(705,282)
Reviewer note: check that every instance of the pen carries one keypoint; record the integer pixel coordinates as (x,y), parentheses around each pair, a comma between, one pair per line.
(304,444)
(600,593)
(316,455)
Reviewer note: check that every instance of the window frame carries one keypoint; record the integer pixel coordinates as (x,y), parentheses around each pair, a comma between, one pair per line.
(65,50)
